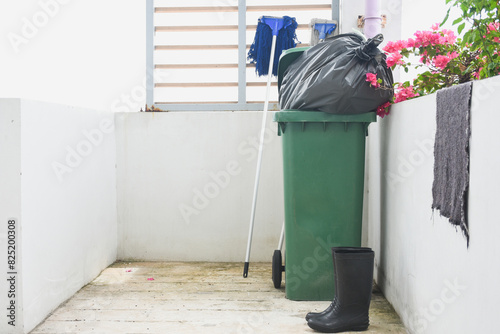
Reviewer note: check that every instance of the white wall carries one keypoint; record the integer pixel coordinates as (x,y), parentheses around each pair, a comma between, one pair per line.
(423,265)
(10,208)
(202,164)
(87,53)
(64,199)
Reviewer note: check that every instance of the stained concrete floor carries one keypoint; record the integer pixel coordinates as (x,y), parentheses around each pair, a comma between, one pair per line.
(179,297)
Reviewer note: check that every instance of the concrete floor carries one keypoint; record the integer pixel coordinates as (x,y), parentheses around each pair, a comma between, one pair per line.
(176,297)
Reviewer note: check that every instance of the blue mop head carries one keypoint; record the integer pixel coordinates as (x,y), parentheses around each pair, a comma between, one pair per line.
(321,29)
(260,50)
(324,29)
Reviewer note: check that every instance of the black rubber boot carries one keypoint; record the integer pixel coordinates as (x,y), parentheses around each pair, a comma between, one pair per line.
(353,272)
(330,307)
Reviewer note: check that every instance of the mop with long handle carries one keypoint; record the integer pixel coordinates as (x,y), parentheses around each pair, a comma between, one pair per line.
(257,55)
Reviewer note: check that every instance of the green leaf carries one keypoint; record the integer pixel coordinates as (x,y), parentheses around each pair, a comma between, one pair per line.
(460,27)
(460,19)
(468,39)
(447,15)
(474,35)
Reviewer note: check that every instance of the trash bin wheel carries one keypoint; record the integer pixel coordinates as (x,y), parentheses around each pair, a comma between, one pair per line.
(277,268)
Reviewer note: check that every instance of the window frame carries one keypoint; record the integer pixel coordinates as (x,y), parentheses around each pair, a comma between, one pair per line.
(241,104)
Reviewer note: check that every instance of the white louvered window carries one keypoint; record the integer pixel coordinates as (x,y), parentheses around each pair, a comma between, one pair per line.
(199,51)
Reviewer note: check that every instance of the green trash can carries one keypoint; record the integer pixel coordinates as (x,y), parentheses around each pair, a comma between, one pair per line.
(323,168)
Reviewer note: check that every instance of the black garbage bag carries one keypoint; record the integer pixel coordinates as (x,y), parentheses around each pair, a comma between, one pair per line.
(331,77)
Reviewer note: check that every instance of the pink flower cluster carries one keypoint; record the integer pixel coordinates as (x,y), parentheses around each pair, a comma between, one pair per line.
(434,38)
(394,59)
(383,110)
(394,47)
(401,94)
(404,93)
(372,79)
(422,39)
(494,27)
(437,40)
(442,60)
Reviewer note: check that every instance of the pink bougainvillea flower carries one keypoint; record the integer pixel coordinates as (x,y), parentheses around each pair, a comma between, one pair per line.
(404,93)
(396,47)
(372,79)
(390,47)
(493,26)
(441,61)
(383,110)
(450,37)
(128,270)
(435,26)
(394,59)
(151,279)
(426,38)
(477,74)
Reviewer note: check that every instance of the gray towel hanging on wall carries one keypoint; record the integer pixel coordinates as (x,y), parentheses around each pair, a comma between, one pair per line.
(451,154)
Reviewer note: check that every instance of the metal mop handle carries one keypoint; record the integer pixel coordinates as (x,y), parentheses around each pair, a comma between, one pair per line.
(259,158)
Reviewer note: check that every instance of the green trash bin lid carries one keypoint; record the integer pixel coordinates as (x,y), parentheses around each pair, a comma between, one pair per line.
(288,116)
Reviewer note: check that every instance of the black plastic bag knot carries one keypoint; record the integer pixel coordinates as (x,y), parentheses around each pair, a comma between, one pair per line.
(369,49)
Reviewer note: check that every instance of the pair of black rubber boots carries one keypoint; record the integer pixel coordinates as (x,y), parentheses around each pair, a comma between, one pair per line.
(353,276)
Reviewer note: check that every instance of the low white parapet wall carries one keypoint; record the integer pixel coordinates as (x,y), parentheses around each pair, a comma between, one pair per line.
(423,265)
(185,186)
(58,206)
